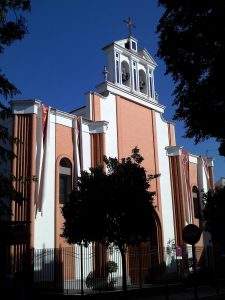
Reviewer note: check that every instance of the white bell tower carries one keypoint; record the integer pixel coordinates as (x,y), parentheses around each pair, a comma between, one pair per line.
(130,68)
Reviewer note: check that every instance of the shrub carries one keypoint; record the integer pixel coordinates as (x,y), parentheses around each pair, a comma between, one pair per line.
(103,282)
(111,266)
(96,283)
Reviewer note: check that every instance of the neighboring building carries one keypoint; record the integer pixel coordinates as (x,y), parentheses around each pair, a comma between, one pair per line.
(220,183)
(123,112)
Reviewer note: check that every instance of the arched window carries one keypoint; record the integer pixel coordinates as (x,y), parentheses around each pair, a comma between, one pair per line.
(65,179)
(142,82)
(125,73)
(196,202)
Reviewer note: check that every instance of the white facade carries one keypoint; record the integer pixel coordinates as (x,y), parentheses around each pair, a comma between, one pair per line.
(165,180)
(44,225)
(108,113)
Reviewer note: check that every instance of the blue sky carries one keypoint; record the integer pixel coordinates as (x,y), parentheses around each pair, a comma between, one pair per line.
(61,57)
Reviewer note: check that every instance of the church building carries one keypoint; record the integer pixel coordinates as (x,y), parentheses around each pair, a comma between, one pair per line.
(121,113)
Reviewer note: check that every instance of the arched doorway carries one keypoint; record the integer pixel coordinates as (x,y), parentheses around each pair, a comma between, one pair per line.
(145,261)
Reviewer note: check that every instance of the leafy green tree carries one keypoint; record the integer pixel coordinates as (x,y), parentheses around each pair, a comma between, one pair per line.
(112,206)
(214,214)
(192,44)
(12,28)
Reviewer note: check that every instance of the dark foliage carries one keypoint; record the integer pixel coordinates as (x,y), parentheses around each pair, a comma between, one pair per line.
(12,28)
(192,44)
(214,214)
(113,207)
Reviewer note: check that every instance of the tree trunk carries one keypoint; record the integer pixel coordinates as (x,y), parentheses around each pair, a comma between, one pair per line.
(124,267)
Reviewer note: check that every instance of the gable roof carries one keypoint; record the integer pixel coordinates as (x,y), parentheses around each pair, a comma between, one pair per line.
(146,55)
(143,53)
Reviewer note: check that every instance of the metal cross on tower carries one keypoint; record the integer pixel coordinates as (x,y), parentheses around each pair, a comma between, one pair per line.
(130,24)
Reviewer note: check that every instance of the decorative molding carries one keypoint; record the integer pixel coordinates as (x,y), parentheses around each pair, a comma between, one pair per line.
(128,52)
(210,162)
(193,159)
(117,90)
(21,107)
(173,150)
(59,117)
(98,127)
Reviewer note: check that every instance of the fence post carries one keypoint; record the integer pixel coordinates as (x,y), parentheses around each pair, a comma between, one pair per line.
(140,269)
(213,263)
(82,269)
(195,271)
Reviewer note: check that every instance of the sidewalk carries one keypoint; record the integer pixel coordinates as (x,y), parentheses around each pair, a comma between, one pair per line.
(170,292)
(161,293)
(203,292)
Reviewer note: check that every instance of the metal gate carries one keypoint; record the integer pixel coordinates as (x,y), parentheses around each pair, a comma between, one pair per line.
(78,269)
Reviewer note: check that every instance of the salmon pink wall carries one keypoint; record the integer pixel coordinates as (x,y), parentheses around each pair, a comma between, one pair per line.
(64,148)
(193,177)
(171,134)
(135,127)
(96,111)
(193,174)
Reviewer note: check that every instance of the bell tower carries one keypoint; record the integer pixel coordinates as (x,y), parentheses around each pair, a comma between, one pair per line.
(130,68)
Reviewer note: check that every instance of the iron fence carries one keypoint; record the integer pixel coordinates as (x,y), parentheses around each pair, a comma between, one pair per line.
(79,269)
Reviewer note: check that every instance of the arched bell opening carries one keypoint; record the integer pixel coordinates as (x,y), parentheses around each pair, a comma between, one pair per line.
(142,82)
(125,69)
